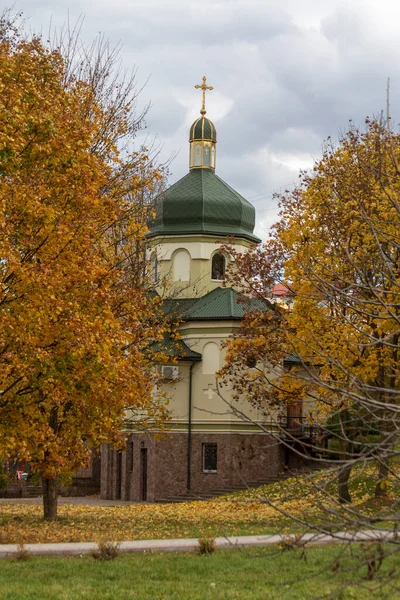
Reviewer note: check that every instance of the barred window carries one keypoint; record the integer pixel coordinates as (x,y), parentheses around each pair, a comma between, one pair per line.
(218,265)
(209,458)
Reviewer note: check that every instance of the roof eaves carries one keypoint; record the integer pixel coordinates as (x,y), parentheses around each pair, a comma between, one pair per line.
(215,318)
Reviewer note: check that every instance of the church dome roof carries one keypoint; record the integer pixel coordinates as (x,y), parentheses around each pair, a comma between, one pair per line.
(203,129)
(202,203)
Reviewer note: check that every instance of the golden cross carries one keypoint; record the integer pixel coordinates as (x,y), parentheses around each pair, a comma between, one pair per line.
(203,87)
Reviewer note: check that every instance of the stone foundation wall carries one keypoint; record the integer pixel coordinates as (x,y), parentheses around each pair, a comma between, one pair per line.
(87,481)
(15,490)
(242,458)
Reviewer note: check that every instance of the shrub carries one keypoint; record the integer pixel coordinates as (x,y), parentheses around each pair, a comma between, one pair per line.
(106,551)
(206,546)
(22,553)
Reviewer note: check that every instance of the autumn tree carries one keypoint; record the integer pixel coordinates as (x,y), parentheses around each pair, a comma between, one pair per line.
(76,321)
(336,247)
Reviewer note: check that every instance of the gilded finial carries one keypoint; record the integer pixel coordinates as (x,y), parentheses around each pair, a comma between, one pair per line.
(203,87)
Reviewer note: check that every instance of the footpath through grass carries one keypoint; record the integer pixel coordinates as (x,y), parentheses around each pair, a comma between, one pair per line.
(244,575)
(242,513)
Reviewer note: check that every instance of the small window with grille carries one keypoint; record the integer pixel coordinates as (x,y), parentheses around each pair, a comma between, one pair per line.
(218,266)
(209,458)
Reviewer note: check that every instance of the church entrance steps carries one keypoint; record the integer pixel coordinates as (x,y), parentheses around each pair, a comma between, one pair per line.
(190,497)
(224,490)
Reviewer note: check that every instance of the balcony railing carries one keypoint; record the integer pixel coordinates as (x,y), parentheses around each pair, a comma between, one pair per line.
(296,427)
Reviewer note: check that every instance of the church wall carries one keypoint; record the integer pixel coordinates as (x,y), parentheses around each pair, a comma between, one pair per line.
(207,407)
(198,285)
(200,249)
(242,459)
(181,266)
(178,394)
(244,454)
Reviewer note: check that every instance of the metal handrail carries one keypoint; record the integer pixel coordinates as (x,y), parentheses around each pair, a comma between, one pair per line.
(298,426)
(294,427)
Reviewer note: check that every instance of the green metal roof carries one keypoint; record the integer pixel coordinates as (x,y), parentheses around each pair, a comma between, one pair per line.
(202,203)
(223,304)
(203,129)
(177,307)
(176,348)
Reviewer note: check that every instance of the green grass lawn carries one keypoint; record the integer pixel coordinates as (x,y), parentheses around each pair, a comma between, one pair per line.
(249,574)
(268,574)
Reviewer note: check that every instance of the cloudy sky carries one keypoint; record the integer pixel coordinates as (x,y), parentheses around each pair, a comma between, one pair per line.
(286,74)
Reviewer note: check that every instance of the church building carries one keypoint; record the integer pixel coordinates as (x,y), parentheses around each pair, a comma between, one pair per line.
(207,446)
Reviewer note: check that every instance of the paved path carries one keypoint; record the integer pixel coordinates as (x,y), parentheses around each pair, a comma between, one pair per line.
(75,500)
(184,545)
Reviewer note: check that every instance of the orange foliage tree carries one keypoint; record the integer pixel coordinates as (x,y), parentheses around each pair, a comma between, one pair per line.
(76,320)
(336,247)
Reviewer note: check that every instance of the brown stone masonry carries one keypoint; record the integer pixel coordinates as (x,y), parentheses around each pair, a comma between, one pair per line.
(152,468)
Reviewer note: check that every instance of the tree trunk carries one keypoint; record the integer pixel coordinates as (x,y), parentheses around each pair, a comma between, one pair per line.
(345,454)
(50,499)
(383,474)
(386,379)
(343,481)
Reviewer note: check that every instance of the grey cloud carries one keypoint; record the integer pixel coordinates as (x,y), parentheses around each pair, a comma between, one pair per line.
(208,23)
(165,115)
(295,71)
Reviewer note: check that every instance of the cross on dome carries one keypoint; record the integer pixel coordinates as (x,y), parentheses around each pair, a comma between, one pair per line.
(203,87)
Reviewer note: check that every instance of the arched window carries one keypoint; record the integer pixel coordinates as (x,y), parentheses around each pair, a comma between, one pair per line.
(206,157)
(211,358)
(154,267)
(218,266)
(181,266)
(197,155)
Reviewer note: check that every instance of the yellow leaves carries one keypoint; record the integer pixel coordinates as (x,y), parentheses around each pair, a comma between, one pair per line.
(337,245)
(70,300)
(88,523)
(384,484)
(250,511)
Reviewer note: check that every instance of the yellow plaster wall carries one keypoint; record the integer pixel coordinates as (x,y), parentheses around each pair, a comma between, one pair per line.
(207,410)
(201,250)
(211,412)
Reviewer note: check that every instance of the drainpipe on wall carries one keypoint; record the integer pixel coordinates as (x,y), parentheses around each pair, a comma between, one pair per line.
(189,448)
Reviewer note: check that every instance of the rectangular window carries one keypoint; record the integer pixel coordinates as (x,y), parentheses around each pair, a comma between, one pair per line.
(209,458)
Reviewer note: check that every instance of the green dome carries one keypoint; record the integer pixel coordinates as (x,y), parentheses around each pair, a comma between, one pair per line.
(202,203)
(203,129)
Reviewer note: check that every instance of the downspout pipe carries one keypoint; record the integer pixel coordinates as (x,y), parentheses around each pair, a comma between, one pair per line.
(189,442)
